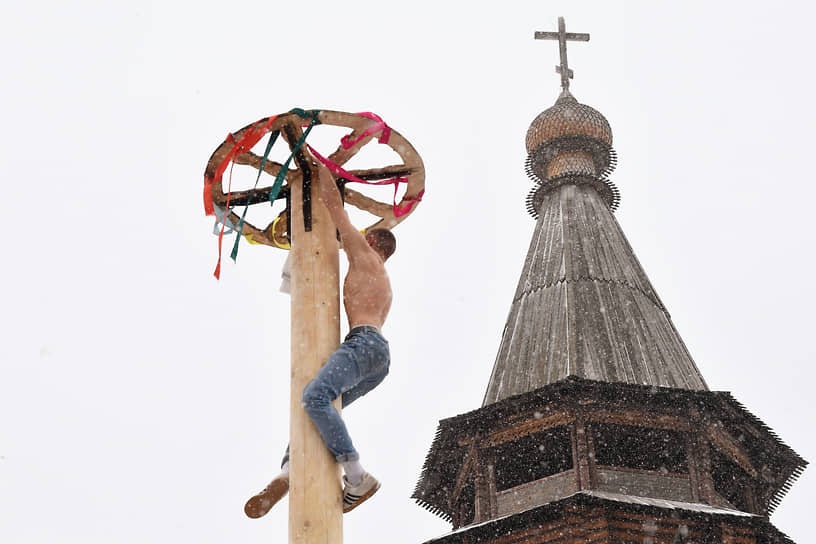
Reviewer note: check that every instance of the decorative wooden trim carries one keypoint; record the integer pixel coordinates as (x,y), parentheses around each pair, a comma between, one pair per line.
(468,466)
(729,447)
(593,469)
(707,491)
(640,419)
(534,425)
(481,498)
(692,463)
(641,471)
(490,473)
(582,451)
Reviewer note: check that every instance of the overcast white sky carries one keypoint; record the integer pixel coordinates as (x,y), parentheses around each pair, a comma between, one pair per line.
(142,401)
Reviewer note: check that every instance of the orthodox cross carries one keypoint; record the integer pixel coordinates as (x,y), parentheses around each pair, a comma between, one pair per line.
(562,36)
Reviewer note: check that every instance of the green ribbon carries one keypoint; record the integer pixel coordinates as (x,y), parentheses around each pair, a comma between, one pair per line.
(273,136)
(273,194)
(276,187)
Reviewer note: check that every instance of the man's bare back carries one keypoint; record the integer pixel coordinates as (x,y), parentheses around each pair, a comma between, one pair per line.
(367,289)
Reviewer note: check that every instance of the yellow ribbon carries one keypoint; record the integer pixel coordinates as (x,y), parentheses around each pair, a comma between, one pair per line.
(274,241)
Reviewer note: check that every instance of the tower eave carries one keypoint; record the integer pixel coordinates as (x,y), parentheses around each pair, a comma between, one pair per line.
(609,516)
(456,435)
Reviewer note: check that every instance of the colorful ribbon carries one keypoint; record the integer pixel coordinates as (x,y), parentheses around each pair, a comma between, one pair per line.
(276,187)
(247,141)
(217,272)
(251,137)
(222,217)
(274,240)
(273,136)
(378,126)
(399,210)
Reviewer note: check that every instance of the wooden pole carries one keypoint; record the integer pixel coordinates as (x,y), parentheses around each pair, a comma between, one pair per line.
(315,494)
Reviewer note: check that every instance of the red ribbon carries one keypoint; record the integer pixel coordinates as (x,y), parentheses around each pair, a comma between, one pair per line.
(247,142)
(251,137)
(217,272)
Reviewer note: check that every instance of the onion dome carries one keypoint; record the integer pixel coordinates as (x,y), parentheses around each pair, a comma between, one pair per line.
(571,143)
(568,117)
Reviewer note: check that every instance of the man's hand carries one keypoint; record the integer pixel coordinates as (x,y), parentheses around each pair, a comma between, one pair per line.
(328,190)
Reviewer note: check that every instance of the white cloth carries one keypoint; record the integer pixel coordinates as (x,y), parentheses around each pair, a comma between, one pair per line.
(286,277)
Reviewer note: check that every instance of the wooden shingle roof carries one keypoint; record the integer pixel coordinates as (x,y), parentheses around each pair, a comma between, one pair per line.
(584,307)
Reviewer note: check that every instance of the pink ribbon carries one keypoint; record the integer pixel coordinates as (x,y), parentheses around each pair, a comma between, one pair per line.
(378,126)
(399,210)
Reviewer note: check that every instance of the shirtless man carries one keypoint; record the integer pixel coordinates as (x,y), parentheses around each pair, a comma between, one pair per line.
(359,364)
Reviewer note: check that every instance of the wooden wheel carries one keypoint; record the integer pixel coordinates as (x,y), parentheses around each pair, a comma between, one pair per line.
(363,128)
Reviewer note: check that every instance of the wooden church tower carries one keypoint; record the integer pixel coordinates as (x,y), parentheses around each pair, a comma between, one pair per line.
(597,425)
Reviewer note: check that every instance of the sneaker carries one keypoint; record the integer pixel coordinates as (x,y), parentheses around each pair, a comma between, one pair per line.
(263,502)
(354,495)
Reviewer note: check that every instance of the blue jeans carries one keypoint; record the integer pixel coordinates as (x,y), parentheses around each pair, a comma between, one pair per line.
(358,366)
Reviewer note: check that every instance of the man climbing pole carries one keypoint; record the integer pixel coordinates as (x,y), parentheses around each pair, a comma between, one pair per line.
(359,364)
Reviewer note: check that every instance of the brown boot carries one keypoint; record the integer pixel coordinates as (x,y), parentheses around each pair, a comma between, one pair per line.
(263,502)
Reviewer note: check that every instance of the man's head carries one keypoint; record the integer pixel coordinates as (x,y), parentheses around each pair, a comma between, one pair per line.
(382,241)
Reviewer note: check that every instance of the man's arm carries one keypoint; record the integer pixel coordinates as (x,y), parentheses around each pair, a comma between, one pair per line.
(353,240)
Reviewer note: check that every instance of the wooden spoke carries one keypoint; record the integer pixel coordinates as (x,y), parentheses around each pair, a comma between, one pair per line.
(248,228)
(271,167)
(370,205)
(375,174)
(342,156)
(291,133)
(246,198)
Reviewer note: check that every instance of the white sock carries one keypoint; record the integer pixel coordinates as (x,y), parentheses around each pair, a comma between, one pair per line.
(285,470)
(354,472)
